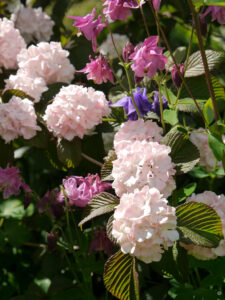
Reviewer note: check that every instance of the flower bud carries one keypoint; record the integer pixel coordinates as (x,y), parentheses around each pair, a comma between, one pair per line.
(127,51)
(177,80)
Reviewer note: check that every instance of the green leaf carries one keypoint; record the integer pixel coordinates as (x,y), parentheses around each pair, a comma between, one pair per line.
(13,92)
(170,116)
(52,156)
(199,224)
(199,172)
(106,169)
(195,64)
(109,229)
(208,111)
(101,204)
(120,277)
(217,146)
(14,208)
(69,153)
(183,152)
(188,105)
(185,192)
(214,2)
(16,232)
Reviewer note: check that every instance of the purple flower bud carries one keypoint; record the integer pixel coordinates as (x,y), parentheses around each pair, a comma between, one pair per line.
(101,242)
(127,51)
(176,76)
(51,240)
(156,104)
(156,4)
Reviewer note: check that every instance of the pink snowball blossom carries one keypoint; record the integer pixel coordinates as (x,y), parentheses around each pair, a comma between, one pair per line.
(33,87)
(98,70)
(156,4)
(139,130)
(218,13)
(11,183)
(11,43)
(148,58)
(218,204)
(143,163)
(33,24)
(17,118)
(48,61)
(89,27)
(75,110)
(81,190)
(144,224)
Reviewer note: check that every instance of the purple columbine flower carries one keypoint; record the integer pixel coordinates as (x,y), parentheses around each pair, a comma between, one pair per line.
(141,100)
(156,104)
(101,242)
(218,13)
(177,80)
(81,190)
(50,202)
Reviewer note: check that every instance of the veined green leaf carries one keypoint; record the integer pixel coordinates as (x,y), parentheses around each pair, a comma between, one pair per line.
(217,146)
(106,169)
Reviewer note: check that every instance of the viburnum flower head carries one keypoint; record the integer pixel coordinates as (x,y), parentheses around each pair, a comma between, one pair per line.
(75,110)
(148,58)
(11,183)
(217,202)
(81,190)
(144,224)
(33,24)
(48,61)
(139,130)
(107,47)
(11,43)
(33,87)
(98,70)
(17,118)
(143,163)
(218,13)
(90,27)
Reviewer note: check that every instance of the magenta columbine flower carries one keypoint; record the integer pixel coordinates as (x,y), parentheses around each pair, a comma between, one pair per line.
(89,27)
(101,242)
(148,58)
(177,80)
(156,4)
(11,183)
(127,51)
(81,190)
(98,70)
(218,13)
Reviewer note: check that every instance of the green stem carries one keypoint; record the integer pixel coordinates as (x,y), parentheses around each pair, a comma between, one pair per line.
(117,78)
(144,20)
(161,107)
(94,161)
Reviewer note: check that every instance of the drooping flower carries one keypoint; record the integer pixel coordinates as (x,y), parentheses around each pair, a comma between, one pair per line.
(49,202)
(17,118)
(218,13)
(141,100)
(48,61)
(80,191)
(11,183)
(127,51)
(177,80)
(107,47)
(52,240)
(75,110)
(156,4)
(101,242)
(90,27)
(148,58)
(217,202)
(156,104)
(144,224)
(139,130)
(98,70)
(33,24)
(143,163)
(11,43)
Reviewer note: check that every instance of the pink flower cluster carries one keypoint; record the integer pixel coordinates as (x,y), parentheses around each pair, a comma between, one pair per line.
(11,43)
(81,190)
(33,24)
(218,13)
(75,110)
(218,204)
(17,118)
(144,225)
(148,58)
(11,183)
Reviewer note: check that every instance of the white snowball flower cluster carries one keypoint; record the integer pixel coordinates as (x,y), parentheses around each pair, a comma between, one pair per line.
(75,110)
(144,225)
(11,43)
(218,204)
(17,118)
(48,61)
(33,24)
(107,47)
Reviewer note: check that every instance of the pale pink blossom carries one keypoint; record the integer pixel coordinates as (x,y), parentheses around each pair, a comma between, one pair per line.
(17,118)
(218,13)
(148,58)
(33,24)
(98,70)
(33,87)
(75,110)
(144,224)
(11,43)
(143,163)
(107,47)
(48,61)
(217,202)
(139,130)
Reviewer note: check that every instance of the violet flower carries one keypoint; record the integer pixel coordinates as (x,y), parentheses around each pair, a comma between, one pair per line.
(81,190)
(218,13)
(177,80)
(141,100)
(89,27)
(156,104)
(98,70)
(101,242)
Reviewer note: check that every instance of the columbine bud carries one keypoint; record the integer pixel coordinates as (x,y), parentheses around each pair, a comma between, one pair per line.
(51,240)
(177,80)
(127,51)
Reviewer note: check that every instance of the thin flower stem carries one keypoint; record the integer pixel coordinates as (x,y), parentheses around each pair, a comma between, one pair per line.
(144,20)
(161,107)
(204,59)
(117,78)
(94,161)
(172,56)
